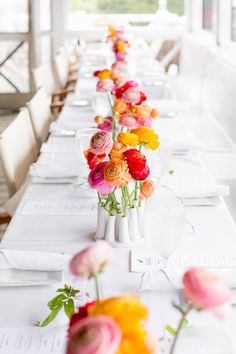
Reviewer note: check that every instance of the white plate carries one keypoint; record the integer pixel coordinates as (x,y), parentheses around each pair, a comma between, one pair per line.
(16,277)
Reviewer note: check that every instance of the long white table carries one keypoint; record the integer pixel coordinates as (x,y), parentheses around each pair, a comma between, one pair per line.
(214,229)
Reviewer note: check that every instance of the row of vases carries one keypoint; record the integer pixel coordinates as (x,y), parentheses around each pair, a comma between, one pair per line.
(118,228)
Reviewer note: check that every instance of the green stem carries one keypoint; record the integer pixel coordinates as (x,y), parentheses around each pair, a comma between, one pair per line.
(125,200)
(97,286)
(99,198)
(180,325)
(136,187)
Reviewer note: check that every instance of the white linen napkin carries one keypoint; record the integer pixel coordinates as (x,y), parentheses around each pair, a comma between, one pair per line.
(50,171)
(168,108)
(57,148)
(168,278)
(198,190)
(69,127)
(185,145)
(32,260)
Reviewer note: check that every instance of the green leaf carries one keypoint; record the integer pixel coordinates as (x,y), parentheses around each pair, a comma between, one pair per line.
(74,292)
(69,308)
(50,317)
(170,329)
(171,172)
(56,301)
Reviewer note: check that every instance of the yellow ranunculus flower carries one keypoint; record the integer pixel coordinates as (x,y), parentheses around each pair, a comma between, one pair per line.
(128,139)
(129,314)
(147,137)
(104,74)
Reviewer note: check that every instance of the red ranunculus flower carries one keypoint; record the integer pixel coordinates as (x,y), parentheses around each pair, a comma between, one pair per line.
(95,74)
(143,97)
(119,91)
(93,159)
(135,159)
(82,313)
(141,175)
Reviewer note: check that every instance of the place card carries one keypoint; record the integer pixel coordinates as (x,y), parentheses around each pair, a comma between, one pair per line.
(149,260)
(33,340)
(84,206)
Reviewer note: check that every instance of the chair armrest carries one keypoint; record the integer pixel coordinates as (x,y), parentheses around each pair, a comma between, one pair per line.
(56,106)
(5,218)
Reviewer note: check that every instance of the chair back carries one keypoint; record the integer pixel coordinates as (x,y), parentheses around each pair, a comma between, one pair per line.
(45,78)
(40,114)
(62,67)
(18,150)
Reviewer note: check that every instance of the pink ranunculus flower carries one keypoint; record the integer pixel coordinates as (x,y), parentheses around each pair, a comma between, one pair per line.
(105,85)
(120,55)
(206,291)
(96,180)
(92,259)
(101,143)
(94,335)
(128,120)
(147,122)
(106,125)
(132,95)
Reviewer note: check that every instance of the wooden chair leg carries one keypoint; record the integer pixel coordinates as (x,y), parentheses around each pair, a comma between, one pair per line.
(5,218)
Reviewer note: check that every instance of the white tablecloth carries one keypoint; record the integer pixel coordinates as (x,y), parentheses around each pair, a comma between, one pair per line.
(214,229)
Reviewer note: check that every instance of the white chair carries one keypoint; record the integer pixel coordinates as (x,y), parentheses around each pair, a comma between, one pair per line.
(40,114)
(64,76)
(45,77)
(18,150)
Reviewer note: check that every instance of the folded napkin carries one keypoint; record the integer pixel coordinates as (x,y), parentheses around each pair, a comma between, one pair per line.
(69,127)
(57,148)
(31,260)
(51,171)
(198,191)
(185,145)
(170,278)
(166,107)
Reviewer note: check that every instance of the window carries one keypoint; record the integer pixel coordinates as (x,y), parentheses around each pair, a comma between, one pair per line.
(207,15)
(233,21)
(14,16)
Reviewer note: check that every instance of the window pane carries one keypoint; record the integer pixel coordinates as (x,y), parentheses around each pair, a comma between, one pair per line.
(45,15)
(111,6)
(233,24)
(14,16)
(208,15)
(176,6)
(14,72)
(45,47)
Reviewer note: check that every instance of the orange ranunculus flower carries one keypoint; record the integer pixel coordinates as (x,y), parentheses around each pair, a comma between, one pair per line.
(120,46)
(146,189)
(155,113)
(98,119)
(120,106)
(128,139)
(117,151)
(143,112)
(104,74)
(129,314)
(147,137)
(116,173)
(112,30)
